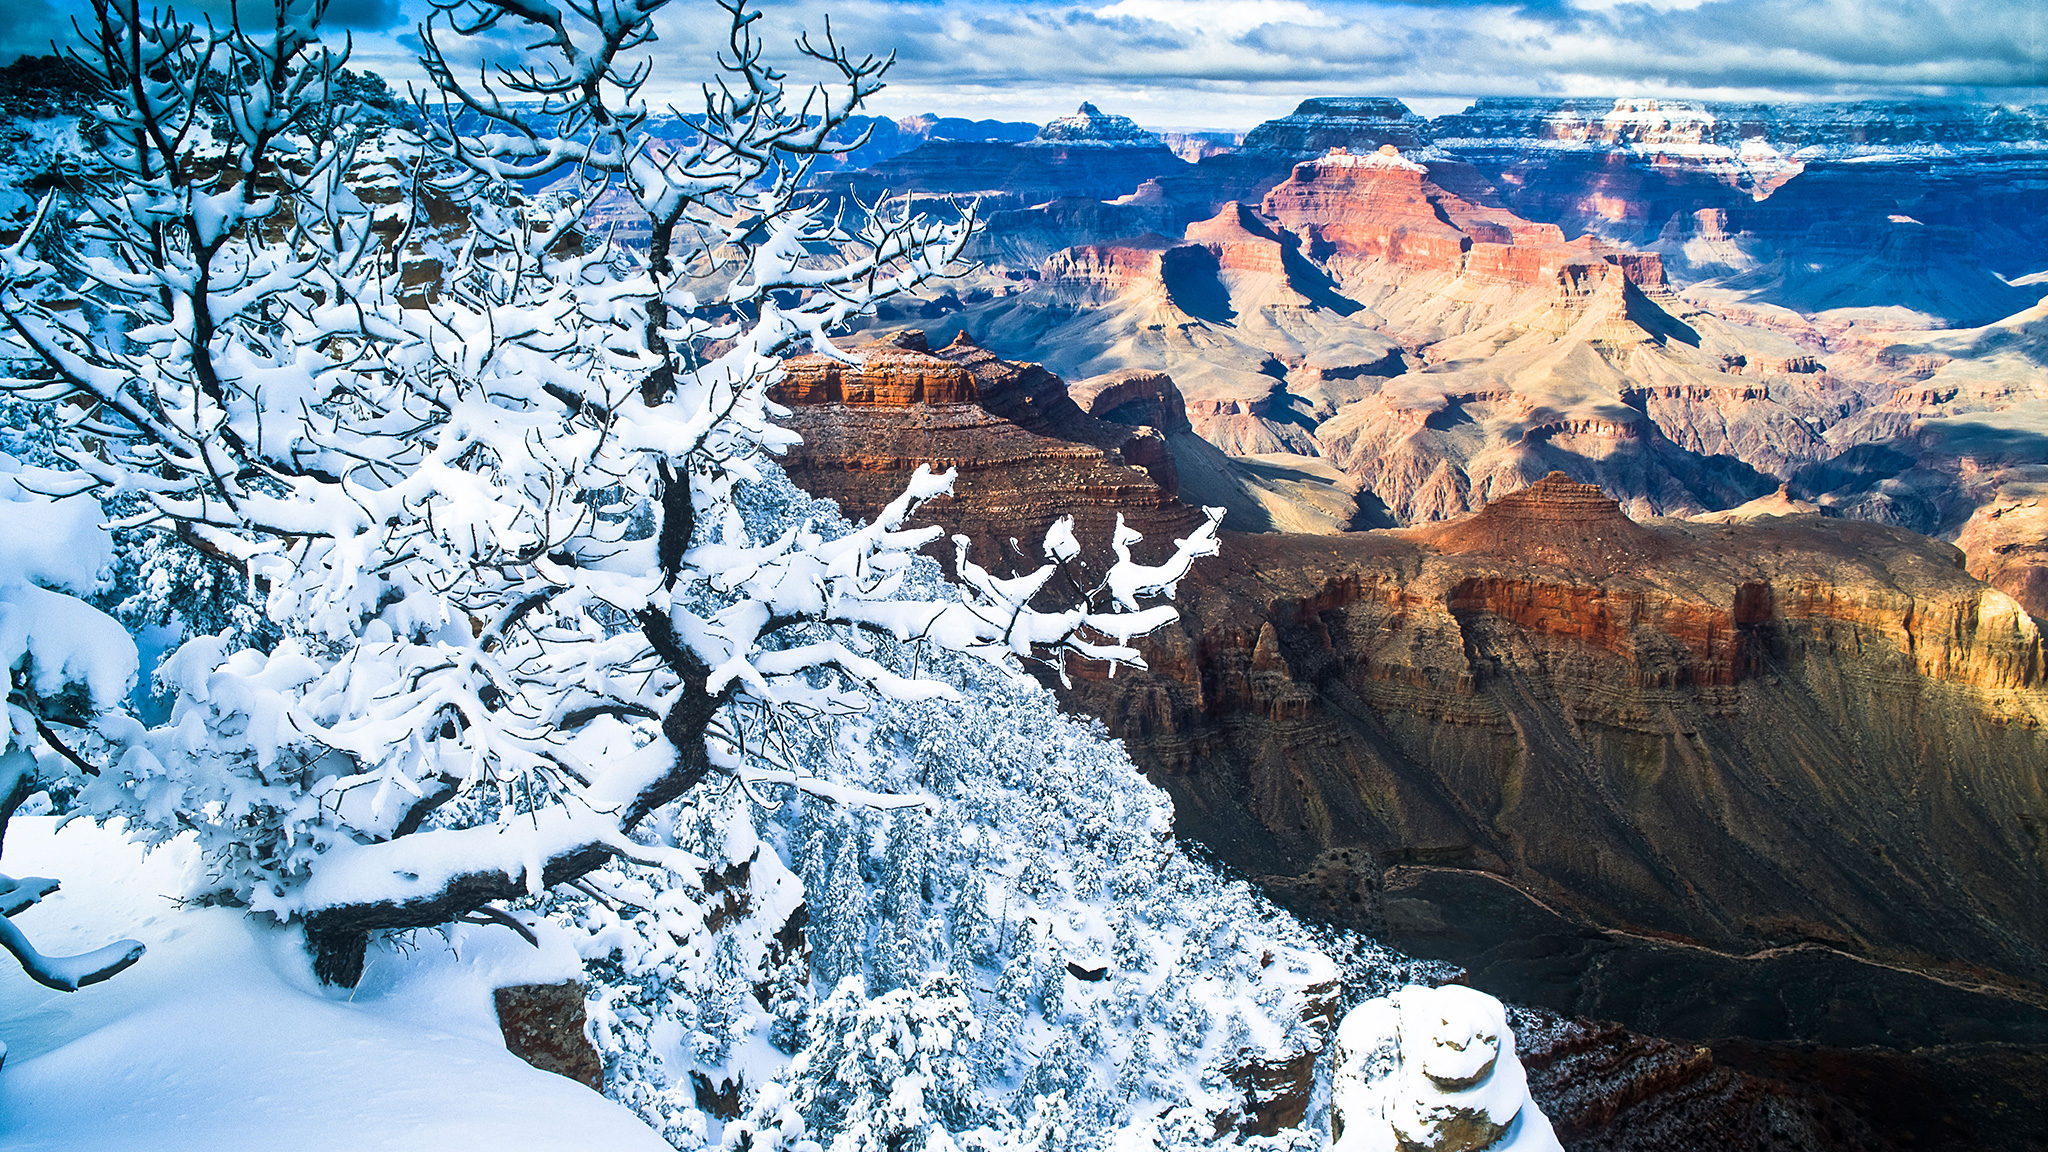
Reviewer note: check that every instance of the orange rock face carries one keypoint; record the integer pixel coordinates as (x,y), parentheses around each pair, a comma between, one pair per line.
(2007,545)
(1133,396)
(1110,268)
(1553,521)
(891,374)
(1382,207)
(1025,452)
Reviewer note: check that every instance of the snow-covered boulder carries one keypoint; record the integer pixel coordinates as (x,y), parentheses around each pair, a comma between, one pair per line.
(1432,1070)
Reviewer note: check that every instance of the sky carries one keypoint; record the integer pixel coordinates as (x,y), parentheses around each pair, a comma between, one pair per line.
(1232,63)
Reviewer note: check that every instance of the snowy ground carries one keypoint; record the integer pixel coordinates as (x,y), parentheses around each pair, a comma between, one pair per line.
(220,1039)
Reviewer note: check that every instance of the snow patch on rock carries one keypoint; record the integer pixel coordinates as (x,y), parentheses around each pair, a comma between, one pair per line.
(1433,1070)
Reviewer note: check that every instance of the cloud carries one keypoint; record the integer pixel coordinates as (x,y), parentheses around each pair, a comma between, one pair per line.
(1235,62)
(1219,17)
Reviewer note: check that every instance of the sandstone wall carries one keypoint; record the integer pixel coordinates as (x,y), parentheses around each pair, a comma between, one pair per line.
(1753,734)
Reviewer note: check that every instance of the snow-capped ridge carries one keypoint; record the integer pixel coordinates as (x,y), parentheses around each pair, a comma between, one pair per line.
(1089,126)
(1386,156)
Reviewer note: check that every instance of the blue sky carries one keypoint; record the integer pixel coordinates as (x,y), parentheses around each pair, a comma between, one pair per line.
(1232,63)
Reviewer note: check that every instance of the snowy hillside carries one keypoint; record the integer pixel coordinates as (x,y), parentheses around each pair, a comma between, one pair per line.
(995,899)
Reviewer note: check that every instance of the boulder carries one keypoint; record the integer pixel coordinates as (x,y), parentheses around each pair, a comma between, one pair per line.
(1432,1070)
(544,1025)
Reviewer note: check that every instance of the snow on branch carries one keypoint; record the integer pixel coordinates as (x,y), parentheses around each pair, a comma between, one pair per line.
(481,459)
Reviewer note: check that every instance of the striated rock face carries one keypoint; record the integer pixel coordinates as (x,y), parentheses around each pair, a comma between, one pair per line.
(1606,1089)
(891,374)
(1612,724)
(1380,206)
(1559,522)
(1025,451)
(1101,271)
(1133,397)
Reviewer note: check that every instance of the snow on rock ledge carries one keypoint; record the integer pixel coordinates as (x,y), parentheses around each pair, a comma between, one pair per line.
(1432,1070)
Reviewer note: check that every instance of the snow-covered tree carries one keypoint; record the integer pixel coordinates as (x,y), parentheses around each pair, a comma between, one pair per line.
(891,1074)
(495,519)
(66,662)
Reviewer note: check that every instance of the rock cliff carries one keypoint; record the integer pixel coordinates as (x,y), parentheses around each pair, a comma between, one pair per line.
(1021,444)
(1612,714)
(1772,744)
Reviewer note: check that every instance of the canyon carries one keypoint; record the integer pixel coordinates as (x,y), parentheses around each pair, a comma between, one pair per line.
(1774,779)
(1636,551)
(1600,710)
(1611,290)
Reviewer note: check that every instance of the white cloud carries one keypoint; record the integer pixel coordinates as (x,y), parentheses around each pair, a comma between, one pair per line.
(1232,63)
(1220,17)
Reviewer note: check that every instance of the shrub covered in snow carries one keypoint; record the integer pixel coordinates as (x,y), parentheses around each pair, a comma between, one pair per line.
(1010,882)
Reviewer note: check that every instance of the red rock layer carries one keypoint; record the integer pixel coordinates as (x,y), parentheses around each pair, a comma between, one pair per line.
(1611,725)
(1555,521)
(891,374)
(1025,452)
(1241,241)
(1385,208)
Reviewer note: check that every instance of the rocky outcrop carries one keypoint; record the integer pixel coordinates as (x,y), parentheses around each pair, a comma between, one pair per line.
(888,375)
(1559,522)
(1091,125)
(1134,396)
(1380,206)
(1608,714)
(1359,123)
(2006,541)
(1432,1070)
(544,1026)
(1020,443)
(1606,1089)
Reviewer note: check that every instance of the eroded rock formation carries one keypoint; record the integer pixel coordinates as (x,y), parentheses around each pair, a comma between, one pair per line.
(1021,444)
(1603,711)
(1609,713)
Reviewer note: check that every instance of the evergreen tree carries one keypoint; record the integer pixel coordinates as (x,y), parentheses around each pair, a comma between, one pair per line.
(842,918)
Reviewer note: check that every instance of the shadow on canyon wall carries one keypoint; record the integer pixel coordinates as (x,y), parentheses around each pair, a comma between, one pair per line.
(1932,1062)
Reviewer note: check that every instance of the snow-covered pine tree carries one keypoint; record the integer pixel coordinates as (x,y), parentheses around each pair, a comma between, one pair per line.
(891,1074)
(487,485)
